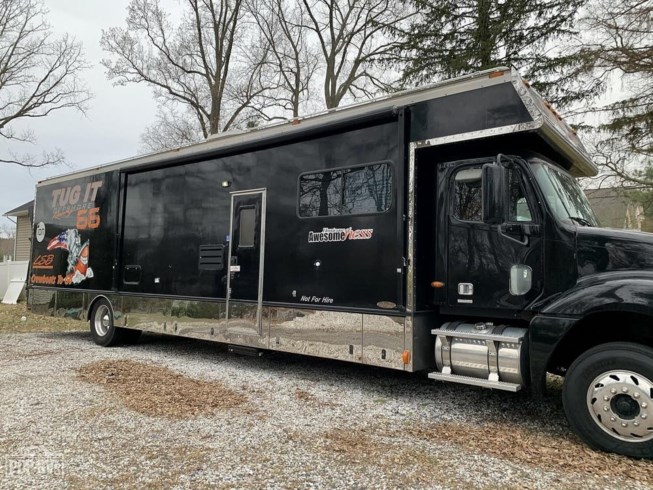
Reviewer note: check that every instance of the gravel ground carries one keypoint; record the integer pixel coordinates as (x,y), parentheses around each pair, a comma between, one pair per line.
(178,413)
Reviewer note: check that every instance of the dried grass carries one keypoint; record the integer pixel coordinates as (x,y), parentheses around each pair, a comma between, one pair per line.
(393,456)
(308,398)
(11,321)
(356,444)
(517,444)
(158,391)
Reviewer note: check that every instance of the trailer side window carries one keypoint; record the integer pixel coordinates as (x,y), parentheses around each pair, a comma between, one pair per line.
(357,190)
(468,204)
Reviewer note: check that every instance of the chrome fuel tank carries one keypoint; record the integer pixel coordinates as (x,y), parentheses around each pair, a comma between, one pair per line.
(482,350)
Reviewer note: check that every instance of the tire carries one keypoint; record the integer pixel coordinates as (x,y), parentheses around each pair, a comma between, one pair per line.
(606,387)
(103,330)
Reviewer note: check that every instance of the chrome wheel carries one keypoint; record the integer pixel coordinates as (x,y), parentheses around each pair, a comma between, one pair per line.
(102,320)
(621,403)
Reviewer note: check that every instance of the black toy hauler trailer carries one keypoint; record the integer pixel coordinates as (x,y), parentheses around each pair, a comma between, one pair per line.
(438,230)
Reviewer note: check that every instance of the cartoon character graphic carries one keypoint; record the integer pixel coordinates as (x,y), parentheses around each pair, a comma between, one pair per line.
(78,269)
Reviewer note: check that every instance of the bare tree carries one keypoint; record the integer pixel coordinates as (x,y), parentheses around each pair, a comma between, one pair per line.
(174,127)
(619,51)
(204,65)
(293,60)
(621,47)
(352,35)
(39,74)
(7,241)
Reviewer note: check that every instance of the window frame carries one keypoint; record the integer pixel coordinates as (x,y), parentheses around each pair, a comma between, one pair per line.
(348,167)
(526,183)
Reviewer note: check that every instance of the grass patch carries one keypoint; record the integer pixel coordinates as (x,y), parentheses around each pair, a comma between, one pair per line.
(11,321)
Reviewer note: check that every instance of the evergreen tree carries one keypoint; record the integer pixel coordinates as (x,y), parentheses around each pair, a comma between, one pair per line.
(454,37)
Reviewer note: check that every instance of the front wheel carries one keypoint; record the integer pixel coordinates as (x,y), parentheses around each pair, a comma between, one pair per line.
(608,398)
(104,332)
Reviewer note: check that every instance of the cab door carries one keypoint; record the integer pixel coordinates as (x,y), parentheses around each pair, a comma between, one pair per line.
(492,266)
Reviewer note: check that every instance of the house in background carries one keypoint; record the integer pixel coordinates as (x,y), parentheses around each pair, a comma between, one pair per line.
(615,209)
(14,274)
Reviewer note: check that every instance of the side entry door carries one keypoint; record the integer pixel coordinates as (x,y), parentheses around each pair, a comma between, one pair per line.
(492,266)
(246,257)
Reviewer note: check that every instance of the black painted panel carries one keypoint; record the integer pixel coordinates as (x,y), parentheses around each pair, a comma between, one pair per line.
(171,212)
(476,110)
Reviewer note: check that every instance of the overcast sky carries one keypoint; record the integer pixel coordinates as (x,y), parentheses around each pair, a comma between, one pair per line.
(116,117)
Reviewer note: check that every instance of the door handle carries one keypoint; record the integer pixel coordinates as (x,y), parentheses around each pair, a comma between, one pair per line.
(519,232)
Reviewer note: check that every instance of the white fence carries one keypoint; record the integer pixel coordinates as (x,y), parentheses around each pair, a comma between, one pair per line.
(12,272)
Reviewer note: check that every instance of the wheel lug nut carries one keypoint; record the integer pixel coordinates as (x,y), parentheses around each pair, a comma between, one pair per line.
(636,395)
(606,408)
(636,424)
(624,424)
(644,415)
(644,404)
(612,419)
(613,390)
(624,389)
(606,398)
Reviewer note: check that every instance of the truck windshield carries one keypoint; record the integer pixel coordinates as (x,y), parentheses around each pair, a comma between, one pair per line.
(563,195)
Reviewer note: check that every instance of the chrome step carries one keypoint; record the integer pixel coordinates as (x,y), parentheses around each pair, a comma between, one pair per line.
(468,380)
(476,335)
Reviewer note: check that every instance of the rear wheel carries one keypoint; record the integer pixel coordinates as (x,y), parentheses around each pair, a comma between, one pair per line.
(608,398)
(103,330)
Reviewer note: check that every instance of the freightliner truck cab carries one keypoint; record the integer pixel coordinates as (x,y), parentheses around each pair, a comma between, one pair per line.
(578,302)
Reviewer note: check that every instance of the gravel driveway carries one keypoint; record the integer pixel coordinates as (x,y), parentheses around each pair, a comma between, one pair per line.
(171,412)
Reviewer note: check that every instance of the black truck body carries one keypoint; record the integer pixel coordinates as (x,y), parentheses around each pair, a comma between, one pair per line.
(436,230)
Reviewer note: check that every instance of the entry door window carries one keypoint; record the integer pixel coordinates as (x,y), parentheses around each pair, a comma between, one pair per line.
(247,228)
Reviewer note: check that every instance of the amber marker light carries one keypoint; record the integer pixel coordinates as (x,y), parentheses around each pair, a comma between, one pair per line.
(405,357)
(437,284)
(496,74)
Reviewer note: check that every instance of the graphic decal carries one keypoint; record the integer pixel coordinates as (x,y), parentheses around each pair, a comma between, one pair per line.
(68,219)
(40,231)
(339,235)
(316,299)
(78,268)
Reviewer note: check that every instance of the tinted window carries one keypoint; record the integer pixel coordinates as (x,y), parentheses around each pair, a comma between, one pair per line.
(518,205)
(247,227)
(357,190)
(468,205)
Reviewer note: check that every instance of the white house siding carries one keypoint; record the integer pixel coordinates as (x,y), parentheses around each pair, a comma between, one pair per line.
(23,236)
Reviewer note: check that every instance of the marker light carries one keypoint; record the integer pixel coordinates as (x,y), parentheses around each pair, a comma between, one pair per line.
(405,357)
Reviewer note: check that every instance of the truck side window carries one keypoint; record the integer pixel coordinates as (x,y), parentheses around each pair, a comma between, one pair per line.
(467,204)
(357,190)
(518,205)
